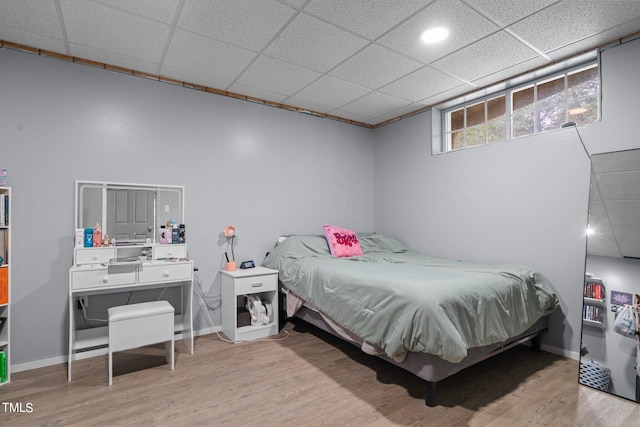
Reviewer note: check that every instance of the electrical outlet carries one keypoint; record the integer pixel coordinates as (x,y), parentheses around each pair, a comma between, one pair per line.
(83,301)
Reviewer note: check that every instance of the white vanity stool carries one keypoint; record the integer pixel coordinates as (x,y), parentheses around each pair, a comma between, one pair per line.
(138,325)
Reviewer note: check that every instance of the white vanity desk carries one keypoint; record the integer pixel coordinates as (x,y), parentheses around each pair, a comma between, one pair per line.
(104,270)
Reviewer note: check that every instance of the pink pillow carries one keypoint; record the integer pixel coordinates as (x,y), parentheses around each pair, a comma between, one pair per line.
(342,242)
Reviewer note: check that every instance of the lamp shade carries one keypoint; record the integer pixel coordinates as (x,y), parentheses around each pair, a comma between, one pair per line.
(230,231)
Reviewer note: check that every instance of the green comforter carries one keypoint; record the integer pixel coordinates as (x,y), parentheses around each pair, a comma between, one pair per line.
(401,300)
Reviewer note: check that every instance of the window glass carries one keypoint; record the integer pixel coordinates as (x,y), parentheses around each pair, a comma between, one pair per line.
(475,135)
(550,104)
(496,119)
(523,98)
(457,120)
(457,141)
(475,114)
(535,107)
(582,95)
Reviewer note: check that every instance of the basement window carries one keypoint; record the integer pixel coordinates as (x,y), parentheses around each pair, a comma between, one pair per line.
(536,106)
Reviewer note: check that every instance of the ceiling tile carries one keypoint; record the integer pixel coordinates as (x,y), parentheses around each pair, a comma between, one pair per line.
(374,66)
(510,72)
(482,58)
(31,17)
(617,161)
(397,113)
(368,19)
(111,30)
(331,91)
(278,76)
(160,10)
(624,211)
(199,54)
(448,95)
(421,84)
(246,23)
(111,58)
(313,44)
(465,26)
(601,242)
(27,38)
(294,3)
(599,39)
(375,104)
(597,214)
(619,185)
(628,238)
(573,20)
(504,13)
(594,193)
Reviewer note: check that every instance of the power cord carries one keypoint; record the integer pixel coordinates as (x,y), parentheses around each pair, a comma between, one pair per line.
(215,303)
(84,314)
(575,126)
(276,338)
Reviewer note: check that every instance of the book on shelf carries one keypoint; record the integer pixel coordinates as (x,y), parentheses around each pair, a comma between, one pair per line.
(4,210)
(4,244)
(3,366)
(592,313)
(593,290)
(4,285)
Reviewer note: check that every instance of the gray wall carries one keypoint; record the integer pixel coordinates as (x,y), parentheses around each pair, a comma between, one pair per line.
(264,170)
(523,201)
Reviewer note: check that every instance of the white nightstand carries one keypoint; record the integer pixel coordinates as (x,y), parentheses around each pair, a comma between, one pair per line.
(260,281)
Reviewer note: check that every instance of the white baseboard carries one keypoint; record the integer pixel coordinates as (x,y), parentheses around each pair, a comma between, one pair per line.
(38,364)
(91,353)
(560,352)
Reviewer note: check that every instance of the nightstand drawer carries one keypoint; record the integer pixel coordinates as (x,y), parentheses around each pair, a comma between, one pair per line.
(170,272)
(100,277)
(253,284)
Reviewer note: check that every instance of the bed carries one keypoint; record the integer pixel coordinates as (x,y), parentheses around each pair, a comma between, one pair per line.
(430,316)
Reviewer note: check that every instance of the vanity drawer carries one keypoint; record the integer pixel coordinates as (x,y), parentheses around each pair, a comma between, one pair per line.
(94,255)
(101,277)
(169,272)
(169,251)
(253,284)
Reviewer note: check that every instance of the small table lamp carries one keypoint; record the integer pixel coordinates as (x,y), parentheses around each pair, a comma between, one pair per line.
(230,234)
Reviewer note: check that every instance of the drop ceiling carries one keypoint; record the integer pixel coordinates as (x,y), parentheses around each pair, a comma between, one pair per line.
(614,205)
(359,61)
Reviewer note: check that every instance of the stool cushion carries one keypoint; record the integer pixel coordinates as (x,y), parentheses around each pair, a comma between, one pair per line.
(143,309)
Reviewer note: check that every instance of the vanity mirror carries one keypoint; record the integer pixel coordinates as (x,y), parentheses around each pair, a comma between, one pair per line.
(128,213)
(612,277)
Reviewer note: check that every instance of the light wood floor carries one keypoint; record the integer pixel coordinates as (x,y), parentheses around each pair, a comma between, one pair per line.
(308,378)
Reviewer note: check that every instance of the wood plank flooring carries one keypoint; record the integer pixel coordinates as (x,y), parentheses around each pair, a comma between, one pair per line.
(308,378)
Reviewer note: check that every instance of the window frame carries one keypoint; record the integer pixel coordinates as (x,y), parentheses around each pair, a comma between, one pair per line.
(441,131)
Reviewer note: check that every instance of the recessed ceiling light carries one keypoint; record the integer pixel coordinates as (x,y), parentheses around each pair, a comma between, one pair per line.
(434,35)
